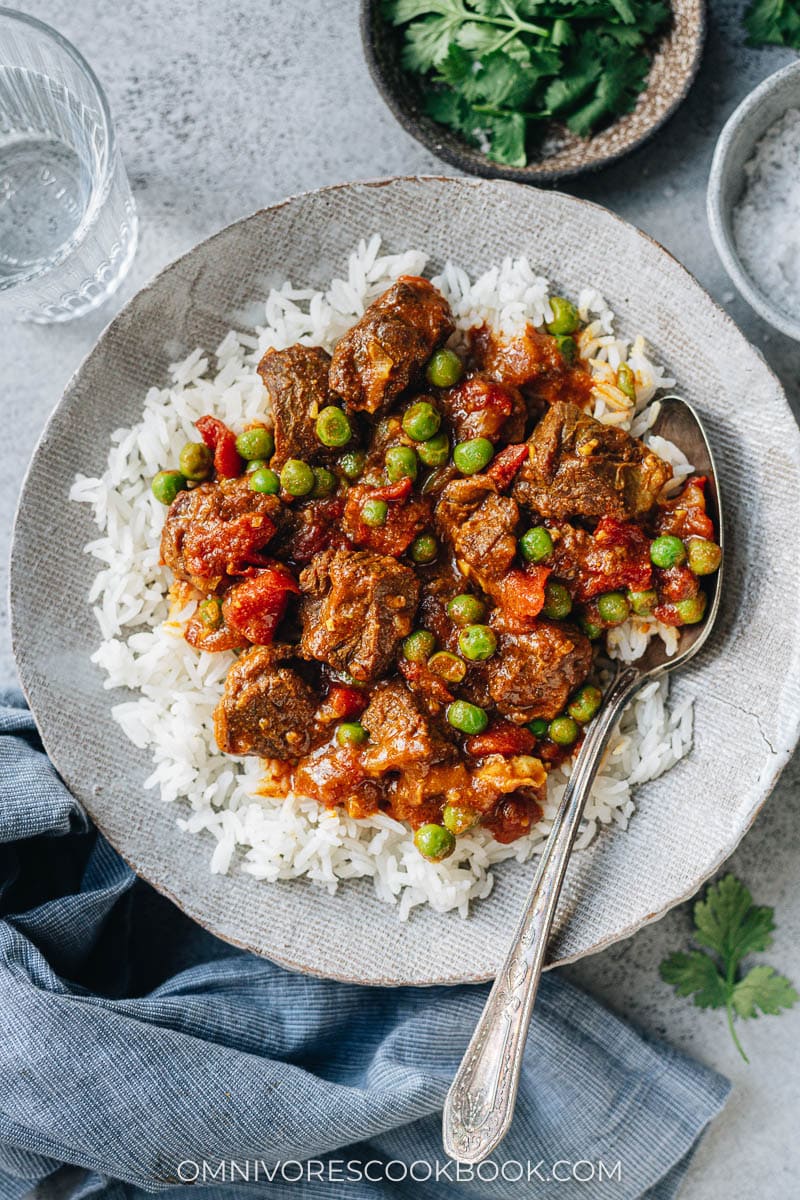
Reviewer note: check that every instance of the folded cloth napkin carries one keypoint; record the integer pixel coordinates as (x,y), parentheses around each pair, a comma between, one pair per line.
(146,1054)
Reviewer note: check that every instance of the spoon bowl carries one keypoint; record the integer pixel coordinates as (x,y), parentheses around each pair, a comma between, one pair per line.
(480,1103)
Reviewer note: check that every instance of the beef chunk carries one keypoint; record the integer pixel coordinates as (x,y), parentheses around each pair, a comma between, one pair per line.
(357,607)
(400,733)
(386,350)
(265,709)
(297,382)
(533,361)
(217,529)
(578,467)
(480,407)
(480,525)
(533,673)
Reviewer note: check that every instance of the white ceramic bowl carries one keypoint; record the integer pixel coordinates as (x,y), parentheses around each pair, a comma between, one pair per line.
(744,128)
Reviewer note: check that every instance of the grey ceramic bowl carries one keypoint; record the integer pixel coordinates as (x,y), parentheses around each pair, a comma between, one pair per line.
(750,121)
(563,154)
(746,680)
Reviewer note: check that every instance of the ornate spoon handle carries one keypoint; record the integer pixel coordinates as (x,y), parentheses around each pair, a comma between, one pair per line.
(480,1103)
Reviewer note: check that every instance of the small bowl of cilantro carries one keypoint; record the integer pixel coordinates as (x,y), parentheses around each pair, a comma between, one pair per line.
(532,90)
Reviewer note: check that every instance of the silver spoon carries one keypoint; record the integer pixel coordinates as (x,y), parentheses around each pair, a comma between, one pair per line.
(480,1103)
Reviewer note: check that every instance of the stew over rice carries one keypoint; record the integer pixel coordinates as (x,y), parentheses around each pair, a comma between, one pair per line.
(415,557)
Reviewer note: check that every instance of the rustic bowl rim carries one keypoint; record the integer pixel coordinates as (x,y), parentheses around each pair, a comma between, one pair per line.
(476,163)
(745,126)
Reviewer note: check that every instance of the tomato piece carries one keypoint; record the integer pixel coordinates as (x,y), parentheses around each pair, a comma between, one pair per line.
(255,607)
(404,520)
(392,491)
(228,463)
(342,703)
(521,596)
(505,466)
(501,738)
(675,583)
(617,558)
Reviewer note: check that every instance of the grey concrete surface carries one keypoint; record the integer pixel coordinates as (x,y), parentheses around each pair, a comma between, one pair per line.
(224,107)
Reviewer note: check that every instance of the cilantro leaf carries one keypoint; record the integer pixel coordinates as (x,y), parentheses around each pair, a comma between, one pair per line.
(773,23)
(428,42)
(507,139)
(508,64)
(728,922)
(695,974)
(731,926)
(762,988)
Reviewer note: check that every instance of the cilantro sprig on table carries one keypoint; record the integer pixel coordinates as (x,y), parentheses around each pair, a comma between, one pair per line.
(495,70)
(773,23)
(729,925)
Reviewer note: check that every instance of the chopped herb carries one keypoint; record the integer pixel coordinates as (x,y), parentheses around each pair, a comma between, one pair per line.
(495,70)
(773,23)
(727,923)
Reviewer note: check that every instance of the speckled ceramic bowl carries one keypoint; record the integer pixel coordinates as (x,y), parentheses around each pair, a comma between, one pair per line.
(562,154)
(745,682)
(765,105)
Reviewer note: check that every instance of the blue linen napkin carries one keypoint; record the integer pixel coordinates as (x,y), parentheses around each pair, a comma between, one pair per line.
(148,1055)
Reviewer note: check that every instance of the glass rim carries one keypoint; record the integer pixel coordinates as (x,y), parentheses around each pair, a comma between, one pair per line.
(101,188)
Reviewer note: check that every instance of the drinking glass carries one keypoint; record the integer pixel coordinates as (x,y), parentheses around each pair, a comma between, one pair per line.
(67,218)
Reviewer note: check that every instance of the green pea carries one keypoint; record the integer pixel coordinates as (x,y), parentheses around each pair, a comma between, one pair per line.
(447,666)
(626,381)
(333,427)
(613,608)
(196,461)
(477,642)
(465,609)
(401,463)
(210,613)
(704,556)
(585,703)
(374,513)
(419,646)
(472,456)
(424,548)
(297,478)
(466,717)
(565,316)
(592,631)
(667,551)
(568,347)
(166,485)
(352,464)
(351,733)
(444,369)
(434,842)
(642,603)
(436,451)
(692,609)
(265,480)
(538,727)
(256,443)
(254,465)
(536,545)
(458,818)
(421,421)
(325,482)
(563,731)
(557,601)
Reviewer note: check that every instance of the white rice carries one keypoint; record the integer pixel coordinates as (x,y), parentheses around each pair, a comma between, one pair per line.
(176,688)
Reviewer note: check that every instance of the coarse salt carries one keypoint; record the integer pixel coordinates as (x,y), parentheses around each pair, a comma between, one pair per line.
(766,220)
